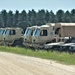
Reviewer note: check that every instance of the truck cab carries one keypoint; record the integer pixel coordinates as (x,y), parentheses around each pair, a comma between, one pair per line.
(12,36)
(28,36)
(42,35)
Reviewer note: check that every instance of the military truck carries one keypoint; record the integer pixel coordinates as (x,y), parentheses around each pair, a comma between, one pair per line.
(43,35)
(28,36)
(64,32)
(1,33)
(13,36)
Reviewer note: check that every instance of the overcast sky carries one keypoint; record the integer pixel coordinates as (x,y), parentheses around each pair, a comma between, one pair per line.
(20,5)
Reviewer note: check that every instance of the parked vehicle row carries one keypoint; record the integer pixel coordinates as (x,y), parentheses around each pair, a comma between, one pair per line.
(56,36)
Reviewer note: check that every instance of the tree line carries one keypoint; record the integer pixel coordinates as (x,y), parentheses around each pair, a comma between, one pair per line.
(24,19)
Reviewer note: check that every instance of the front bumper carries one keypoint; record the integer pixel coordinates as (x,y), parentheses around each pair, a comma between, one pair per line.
(36,45)
(7,42)
(26,44)
(47,47)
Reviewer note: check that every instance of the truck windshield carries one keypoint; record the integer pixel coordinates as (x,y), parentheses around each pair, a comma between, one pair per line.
(36,32)
(27,33)
(6,32)
(1,31)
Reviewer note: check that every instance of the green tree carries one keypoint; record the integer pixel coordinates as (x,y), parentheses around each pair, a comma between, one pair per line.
(29,18)
(67,16)
(4,18)
(0,21)
(73,15)
(60,15)
(16,19)
(10,19)
(22,19)
(33,17)
(47,16)
(41,17)
(52,17)
(23,15)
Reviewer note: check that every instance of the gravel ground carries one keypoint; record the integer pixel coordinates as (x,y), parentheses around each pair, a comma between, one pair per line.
(14,64)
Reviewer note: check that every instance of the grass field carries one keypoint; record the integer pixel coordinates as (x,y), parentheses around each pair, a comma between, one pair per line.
(63,57)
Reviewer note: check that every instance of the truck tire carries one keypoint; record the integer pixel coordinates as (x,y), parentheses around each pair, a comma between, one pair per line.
(17,43)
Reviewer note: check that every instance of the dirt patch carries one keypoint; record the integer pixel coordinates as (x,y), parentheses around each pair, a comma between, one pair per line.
(14,64)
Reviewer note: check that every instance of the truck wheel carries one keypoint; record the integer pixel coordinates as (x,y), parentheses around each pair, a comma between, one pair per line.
(17,43)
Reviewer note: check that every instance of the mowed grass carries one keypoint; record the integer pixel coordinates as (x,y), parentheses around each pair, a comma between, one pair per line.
(62,57)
